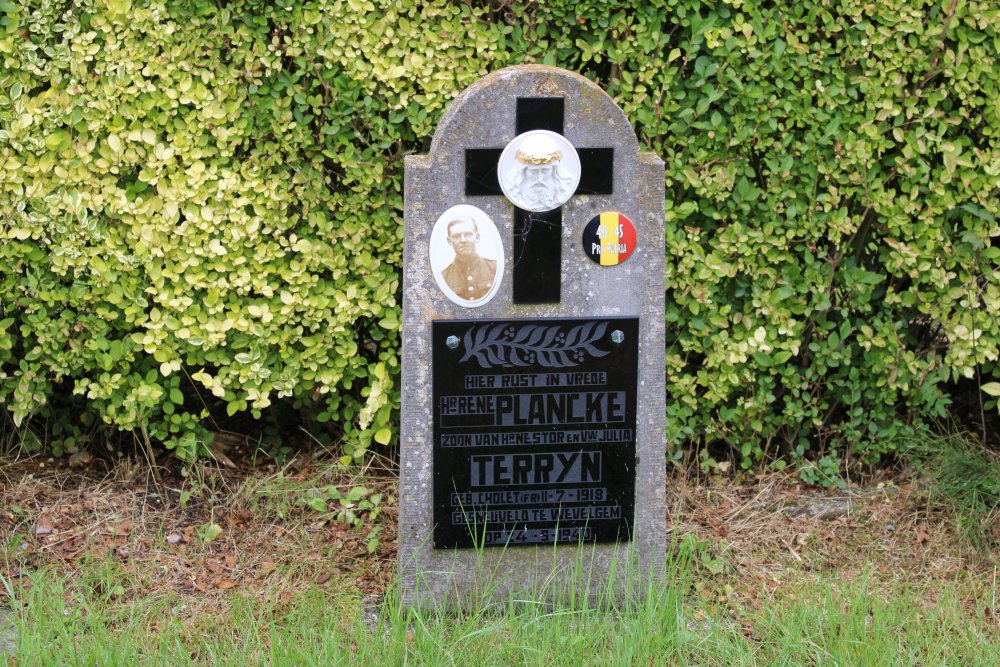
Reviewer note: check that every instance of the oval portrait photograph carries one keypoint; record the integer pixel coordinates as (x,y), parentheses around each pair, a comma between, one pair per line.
(466,255)
(539,170)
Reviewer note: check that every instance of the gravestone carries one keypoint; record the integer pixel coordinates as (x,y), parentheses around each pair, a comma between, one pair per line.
(8,633)
(533,398)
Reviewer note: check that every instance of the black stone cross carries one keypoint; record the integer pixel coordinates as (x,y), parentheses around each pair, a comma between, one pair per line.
(538,236)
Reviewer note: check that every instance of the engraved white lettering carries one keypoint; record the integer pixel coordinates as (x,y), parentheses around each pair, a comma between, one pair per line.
(559,408)
(541,468)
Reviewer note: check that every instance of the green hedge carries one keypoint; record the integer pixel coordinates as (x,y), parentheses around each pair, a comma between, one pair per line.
(200,206)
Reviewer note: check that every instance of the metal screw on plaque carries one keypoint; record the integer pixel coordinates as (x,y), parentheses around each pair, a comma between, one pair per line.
(617,336)
(451,342)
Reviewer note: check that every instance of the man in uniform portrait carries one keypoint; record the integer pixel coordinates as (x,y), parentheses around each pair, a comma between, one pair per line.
(470,276)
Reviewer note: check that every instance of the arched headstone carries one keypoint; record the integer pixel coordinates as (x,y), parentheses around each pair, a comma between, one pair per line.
(533,344)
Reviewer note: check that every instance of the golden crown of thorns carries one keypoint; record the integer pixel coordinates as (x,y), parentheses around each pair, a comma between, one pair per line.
(542,158)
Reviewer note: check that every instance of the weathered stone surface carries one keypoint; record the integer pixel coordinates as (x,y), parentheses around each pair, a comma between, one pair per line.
(8,633)
(484,116)
(828,506)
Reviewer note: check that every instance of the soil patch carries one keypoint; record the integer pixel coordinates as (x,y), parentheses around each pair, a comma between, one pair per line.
(196,537)
(260,530)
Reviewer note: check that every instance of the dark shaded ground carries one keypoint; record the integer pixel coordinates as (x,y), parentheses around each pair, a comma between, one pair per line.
(261,530)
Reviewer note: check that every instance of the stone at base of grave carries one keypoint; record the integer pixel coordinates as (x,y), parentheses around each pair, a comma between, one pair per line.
(8,633)
(532,432)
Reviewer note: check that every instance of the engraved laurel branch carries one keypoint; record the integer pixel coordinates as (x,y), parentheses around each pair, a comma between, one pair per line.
(548,346)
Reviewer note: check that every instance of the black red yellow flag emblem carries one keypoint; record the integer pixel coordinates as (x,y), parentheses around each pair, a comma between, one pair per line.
(609,238)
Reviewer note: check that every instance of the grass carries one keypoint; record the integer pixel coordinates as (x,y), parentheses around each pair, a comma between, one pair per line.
(283,583)
(965,480)
(823,622)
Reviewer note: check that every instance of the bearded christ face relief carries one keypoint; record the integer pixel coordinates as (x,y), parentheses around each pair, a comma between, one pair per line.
(539,170)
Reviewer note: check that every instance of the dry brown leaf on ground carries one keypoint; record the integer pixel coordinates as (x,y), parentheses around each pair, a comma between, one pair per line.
(225,584)
(43,525)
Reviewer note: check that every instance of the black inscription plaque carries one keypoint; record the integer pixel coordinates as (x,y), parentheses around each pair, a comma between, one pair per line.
(534,431)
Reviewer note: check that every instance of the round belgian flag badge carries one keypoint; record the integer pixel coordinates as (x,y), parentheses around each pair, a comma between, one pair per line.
(609,238)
